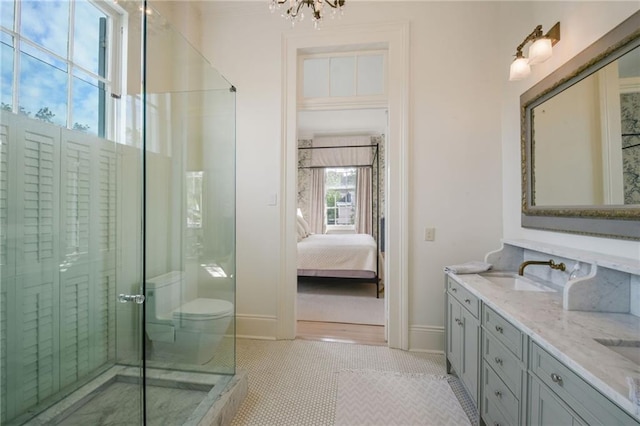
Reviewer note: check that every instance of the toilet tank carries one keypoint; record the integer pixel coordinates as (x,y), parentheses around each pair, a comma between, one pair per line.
(163,295)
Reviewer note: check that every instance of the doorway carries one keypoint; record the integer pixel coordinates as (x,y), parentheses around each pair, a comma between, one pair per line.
(341,190)
(394,39)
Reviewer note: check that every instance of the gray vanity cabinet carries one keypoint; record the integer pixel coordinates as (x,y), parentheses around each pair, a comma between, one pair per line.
(547,409)
(463,336)
(559,396)
(503,371)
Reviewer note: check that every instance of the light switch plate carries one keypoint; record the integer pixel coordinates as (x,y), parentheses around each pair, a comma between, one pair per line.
(429,234)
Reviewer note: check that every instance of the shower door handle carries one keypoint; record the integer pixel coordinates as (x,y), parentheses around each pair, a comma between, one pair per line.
(137,298)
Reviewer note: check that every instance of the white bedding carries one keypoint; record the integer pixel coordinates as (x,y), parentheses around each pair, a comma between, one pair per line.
(337,255)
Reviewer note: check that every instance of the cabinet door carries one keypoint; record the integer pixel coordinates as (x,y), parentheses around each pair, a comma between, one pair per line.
(547,409)
(454,335)
(470,353)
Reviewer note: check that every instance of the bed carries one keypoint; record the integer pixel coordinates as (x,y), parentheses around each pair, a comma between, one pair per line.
(339,256)
(343,257)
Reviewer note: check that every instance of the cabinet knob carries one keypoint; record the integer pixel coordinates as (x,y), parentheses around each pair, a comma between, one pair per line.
(498,394)
(453,289)
(467,301)
(556,378)
(499,329)
(498,360)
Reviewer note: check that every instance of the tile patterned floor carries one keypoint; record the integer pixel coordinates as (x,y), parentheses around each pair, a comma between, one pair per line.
(294,382)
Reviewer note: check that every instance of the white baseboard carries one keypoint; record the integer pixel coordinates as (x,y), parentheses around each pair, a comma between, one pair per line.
(261,327)
(426,338)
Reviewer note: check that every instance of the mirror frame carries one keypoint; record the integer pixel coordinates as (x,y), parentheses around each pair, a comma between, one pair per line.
(615,221)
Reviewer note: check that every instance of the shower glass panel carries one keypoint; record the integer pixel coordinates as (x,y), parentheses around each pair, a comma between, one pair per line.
(70,208)
(117,181)
(190,208)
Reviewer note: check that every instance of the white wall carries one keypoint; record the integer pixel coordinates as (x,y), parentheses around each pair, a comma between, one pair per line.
(582,23)
(464,135)
(454,144)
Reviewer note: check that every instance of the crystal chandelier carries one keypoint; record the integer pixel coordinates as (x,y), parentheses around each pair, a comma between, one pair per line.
(294,11)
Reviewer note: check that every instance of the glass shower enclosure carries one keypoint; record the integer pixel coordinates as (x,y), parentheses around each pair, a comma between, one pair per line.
(117,218)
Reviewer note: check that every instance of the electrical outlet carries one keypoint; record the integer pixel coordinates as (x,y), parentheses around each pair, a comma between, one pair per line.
(429,234)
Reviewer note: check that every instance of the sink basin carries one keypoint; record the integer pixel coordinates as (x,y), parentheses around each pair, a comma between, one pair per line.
(513,281)
(629,349)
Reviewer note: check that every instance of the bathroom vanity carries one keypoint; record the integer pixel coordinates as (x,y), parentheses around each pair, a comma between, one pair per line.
(552,346)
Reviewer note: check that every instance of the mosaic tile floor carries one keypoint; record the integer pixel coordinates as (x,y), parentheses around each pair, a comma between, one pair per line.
(295,382)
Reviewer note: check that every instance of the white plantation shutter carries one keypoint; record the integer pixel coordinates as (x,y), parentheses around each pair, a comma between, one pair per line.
(39,168)
(104,330)
(107,198)
(74,328)
(104,250)
(38,378)
(4,194)
(33,340)
(75,279)
(58,198)
(76,181)
(5,269)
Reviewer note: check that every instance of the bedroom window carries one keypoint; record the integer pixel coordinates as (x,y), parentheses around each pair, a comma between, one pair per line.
(340,196)
(69,56)
(194,200)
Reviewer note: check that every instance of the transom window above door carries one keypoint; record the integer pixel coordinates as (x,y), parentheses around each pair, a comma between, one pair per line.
(342,79)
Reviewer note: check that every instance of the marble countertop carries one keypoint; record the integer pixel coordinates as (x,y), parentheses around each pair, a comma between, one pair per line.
(568,335)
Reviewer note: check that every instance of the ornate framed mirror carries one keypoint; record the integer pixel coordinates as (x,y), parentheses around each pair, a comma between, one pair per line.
(581,141)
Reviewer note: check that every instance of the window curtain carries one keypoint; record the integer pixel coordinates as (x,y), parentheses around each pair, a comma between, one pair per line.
(364,201)
(316,204)
(341,156)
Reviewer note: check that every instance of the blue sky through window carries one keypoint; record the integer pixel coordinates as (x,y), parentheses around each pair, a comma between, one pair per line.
(42,86)
(44,80)
(46,23)
(6,69)
(6,13)
(86,48)
(86,102)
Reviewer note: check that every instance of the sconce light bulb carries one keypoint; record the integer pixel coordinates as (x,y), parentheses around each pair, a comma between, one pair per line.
(540,51)
(519,69)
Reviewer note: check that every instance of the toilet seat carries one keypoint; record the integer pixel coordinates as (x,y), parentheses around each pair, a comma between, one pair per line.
(203,309)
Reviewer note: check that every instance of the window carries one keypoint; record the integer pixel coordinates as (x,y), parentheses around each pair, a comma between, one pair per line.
(194,200)
(344,78)
(340,196)
(56,63)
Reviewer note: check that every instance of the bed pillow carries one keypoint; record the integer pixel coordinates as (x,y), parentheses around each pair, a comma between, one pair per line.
(305,225)
(301,233)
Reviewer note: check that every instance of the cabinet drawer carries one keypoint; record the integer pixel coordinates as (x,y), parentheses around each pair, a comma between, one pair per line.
(464,296)
(497,392)
(492,415)
(503,330)
(592,406)
(504,363)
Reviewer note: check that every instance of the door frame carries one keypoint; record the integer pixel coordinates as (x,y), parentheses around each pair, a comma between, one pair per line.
(395,37)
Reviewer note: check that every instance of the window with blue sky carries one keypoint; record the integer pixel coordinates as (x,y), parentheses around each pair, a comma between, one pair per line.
(55,61)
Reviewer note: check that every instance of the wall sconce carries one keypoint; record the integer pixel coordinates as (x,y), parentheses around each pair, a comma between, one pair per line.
(539,51)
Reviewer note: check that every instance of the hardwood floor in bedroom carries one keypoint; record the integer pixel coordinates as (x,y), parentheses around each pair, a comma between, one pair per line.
(341,332)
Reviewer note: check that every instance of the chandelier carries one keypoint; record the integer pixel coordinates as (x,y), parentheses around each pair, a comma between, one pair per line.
(295,13)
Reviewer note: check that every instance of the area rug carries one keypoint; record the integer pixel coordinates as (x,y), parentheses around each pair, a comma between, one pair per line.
(340,308)
(368,397)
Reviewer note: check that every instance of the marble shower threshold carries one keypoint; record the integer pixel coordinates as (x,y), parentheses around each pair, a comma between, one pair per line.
(173,397)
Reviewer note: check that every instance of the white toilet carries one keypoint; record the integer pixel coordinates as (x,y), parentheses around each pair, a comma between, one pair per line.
(183,331)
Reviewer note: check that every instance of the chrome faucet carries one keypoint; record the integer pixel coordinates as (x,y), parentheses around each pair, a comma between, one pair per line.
(550,263)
